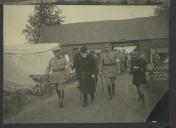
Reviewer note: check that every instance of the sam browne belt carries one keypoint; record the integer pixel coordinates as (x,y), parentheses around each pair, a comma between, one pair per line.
(58,70)
(109,64)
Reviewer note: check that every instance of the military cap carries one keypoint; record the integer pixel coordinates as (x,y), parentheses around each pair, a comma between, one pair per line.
(106,45)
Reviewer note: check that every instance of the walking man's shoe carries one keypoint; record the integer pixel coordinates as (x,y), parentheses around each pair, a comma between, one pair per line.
(78,87)
(113,92)
(61,104)
(109,98)
(84,105)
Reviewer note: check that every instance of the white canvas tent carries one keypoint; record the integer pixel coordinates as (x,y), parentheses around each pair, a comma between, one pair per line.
(31,58)
(20,61)
(14,77)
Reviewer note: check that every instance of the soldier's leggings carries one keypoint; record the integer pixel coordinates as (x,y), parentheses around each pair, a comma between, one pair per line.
(113,86)
(85,98)
(60,92)
(140,92)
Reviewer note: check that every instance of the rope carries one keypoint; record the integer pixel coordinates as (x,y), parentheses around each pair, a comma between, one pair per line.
(15,83)
(7,52)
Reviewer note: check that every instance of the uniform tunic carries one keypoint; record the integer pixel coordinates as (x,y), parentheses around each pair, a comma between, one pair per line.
(57,66)
(108,65)
(118,62)
(85,67)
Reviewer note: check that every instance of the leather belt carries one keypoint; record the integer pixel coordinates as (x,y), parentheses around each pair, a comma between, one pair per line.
(58,70)
(108,64)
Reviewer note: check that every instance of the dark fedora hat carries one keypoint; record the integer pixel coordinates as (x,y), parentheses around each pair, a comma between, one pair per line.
(83,49)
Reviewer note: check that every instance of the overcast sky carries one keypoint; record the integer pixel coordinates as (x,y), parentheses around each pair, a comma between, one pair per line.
(15,17)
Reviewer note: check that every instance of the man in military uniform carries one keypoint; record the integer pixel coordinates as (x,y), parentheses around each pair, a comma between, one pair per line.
(57,67)
(156,58)
(85,68)
(108,70)
(117,53)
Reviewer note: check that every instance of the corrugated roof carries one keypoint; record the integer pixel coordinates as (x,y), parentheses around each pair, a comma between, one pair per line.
(106,31)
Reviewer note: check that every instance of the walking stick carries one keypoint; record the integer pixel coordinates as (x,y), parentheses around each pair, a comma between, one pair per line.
(95,80)
(79,91)
(102,83)
(80,95)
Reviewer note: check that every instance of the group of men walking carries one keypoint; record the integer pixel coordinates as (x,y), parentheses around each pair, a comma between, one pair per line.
(87,69)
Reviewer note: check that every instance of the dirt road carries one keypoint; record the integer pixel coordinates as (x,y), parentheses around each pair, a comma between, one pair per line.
(123,108)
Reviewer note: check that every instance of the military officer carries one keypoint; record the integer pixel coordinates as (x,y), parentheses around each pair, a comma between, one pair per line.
(109,70)
(117,53)
(57,68)
(85,70)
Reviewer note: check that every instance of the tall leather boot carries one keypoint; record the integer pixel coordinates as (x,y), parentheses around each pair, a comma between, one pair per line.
(84,100)
(62,99)
(92,97)
(143,99)
(109,92)
(139,93)
(59,95)
(113,89)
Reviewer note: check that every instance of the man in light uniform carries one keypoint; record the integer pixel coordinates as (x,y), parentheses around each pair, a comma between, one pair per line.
(57,68)
(108,70)
(117,54)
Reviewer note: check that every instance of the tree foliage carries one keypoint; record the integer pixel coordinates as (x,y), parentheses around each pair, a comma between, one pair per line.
(42,15)
(163,10)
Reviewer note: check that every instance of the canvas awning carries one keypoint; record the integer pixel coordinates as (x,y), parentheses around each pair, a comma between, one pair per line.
(29,48)
(14,77)
(31,58)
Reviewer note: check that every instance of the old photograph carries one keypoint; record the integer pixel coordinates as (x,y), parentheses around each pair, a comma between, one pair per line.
(85,63)
(104,2)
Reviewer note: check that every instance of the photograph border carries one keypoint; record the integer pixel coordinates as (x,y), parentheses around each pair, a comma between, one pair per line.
(172,90)
(86,2)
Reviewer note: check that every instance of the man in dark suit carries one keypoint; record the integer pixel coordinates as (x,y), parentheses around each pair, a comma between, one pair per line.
(85,67)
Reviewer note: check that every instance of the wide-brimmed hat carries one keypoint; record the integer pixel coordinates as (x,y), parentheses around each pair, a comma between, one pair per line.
(57,48)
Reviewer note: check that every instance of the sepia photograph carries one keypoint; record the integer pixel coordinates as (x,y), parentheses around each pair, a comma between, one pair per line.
(85,63)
